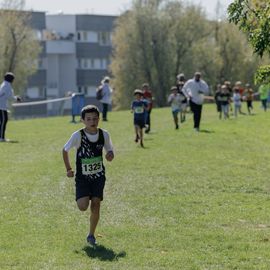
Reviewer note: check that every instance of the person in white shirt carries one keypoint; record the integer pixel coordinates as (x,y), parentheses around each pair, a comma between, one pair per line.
(6,94)
(106,97)
(175,100)
(237,101)
(195,89)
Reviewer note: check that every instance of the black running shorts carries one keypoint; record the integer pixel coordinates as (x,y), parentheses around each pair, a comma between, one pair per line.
(90,188)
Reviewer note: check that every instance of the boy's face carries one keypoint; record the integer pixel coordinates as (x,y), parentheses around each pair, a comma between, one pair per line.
(91,121)
(138,96)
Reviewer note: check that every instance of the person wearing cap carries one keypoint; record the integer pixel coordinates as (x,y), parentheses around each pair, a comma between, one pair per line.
(195,89)
(106,99)
(180,78)
(139,108)
(6,94)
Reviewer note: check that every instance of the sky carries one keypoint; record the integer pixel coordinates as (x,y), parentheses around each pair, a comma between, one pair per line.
(106,7)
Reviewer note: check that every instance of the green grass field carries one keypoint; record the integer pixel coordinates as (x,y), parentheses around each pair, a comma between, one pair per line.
(187,201)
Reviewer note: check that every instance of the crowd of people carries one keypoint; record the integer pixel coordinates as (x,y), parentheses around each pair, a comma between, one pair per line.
(231,98)
(189,95)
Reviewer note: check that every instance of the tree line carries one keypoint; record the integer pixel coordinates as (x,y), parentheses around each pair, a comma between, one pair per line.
(157,39)
(19,47)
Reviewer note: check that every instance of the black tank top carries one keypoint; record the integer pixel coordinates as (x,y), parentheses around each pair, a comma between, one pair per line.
(89,160)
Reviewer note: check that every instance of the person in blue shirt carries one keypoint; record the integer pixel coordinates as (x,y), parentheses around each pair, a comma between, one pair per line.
(139,108)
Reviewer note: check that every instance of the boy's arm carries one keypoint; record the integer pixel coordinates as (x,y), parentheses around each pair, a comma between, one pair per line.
(110,156)
(108,147)
(70,172)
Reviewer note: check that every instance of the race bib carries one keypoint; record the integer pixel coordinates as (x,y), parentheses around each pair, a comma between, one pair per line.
(139,110)
(91,166)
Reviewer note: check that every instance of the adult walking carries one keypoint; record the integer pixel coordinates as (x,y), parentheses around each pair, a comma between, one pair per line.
(195,89)
(6,94)
(106,99)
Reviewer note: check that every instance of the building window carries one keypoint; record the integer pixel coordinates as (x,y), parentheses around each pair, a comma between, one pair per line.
(104,38)
(85,36)
(78,36)
(79,63)
(85,64)
(33,92)
(92,63)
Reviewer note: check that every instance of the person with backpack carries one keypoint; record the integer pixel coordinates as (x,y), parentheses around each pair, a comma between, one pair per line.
(104,95)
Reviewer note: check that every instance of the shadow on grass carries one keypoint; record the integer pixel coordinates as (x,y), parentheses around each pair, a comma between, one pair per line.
(206,131)
(102,253)
(10,141)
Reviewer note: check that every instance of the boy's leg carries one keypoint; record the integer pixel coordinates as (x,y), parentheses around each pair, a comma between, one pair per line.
(175,118)
(95,213)
(83,203)
(148,121)
(136,133)
(227,111)
(141,136)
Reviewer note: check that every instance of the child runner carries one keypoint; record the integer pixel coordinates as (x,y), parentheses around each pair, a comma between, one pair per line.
(237,101)
(225,99)
(147,95)
(139,107)
(264,92)
(249,97)
(175,100)
(90,171)
(217,100)
(184,103)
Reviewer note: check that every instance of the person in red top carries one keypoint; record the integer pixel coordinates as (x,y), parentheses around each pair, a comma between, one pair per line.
(147,95)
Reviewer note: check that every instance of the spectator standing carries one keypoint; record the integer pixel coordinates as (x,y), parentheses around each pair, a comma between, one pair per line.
(106,99)
(6,94)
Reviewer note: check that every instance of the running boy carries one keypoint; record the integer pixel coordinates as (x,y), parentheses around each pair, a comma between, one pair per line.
(90,171)
(175,100)
(139,107)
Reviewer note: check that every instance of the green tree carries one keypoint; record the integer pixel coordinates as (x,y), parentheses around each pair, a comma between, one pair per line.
(19,47)
(153,42)
(252,17)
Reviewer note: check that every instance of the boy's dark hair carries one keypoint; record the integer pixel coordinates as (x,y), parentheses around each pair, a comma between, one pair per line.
(89,109)
(9,77)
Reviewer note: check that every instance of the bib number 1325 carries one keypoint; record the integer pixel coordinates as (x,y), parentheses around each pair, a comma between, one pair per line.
(91,166)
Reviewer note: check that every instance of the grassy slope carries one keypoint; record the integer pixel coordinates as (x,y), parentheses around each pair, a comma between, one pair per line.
(187,201)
